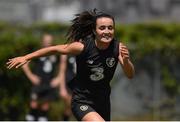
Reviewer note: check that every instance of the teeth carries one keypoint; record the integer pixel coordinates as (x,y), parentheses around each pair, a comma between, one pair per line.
(107,37)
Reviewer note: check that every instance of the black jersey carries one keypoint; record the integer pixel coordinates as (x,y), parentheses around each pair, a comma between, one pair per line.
(71,68)
(45,67)
(95,69)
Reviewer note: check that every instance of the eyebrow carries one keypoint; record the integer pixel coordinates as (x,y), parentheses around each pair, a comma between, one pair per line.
(106,26)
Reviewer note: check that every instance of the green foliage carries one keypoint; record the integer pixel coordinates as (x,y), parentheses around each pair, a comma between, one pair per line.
(150,38)
(170,82)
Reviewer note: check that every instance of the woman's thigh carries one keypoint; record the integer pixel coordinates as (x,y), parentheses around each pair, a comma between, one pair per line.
(84,112)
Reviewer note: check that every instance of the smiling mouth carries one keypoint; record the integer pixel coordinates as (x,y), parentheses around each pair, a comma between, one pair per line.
(106,37)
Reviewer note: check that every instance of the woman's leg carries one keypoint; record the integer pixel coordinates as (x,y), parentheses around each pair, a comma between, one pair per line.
(92,116)
(67,109)
(33,112)
(84,112)
(43,113)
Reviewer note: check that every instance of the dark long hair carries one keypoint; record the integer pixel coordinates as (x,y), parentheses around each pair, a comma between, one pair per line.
(84,24)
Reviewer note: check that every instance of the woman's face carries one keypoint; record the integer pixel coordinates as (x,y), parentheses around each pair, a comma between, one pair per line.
(47,40)
(104,29)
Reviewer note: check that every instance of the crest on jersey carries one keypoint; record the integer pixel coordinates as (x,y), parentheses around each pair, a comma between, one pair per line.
(110,62)
(83,107)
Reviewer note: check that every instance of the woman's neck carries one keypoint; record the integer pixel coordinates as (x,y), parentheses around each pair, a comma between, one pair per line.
(101,45)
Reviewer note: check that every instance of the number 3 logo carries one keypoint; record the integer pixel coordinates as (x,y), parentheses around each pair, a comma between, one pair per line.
(98,74)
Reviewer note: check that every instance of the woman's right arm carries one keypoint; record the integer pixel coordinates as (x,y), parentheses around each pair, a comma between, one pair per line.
(74,48)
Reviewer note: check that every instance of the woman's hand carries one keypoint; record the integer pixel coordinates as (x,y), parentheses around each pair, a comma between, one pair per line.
(123,54)
(125,62)
(54,82)
(35,79)
(17,62)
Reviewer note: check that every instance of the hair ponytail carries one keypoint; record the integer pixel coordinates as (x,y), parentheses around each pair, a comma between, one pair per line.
(82,26)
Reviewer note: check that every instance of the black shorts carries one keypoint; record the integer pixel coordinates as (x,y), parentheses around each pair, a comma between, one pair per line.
(81,109)
(43,93)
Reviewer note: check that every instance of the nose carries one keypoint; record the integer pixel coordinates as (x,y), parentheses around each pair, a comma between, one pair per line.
(106,31)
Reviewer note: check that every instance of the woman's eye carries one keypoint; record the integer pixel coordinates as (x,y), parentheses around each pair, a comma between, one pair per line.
(110,27)
(102,27)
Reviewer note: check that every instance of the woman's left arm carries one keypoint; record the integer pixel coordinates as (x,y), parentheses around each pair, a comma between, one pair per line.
(125,62)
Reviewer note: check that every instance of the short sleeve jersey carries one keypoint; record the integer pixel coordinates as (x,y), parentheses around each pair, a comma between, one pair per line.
(95,69)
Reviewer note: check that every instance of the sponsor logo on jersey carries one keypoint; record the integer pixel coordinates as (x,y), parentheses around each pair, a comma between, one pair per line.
(110,62)
(48,62)
(83,107)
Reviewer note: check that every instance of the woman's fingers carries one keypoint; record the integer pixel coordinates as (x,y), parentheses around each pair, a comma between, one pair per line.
(22,63)
(124,51)
(17,66)
(15,62)
(9,61)
(11,64)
